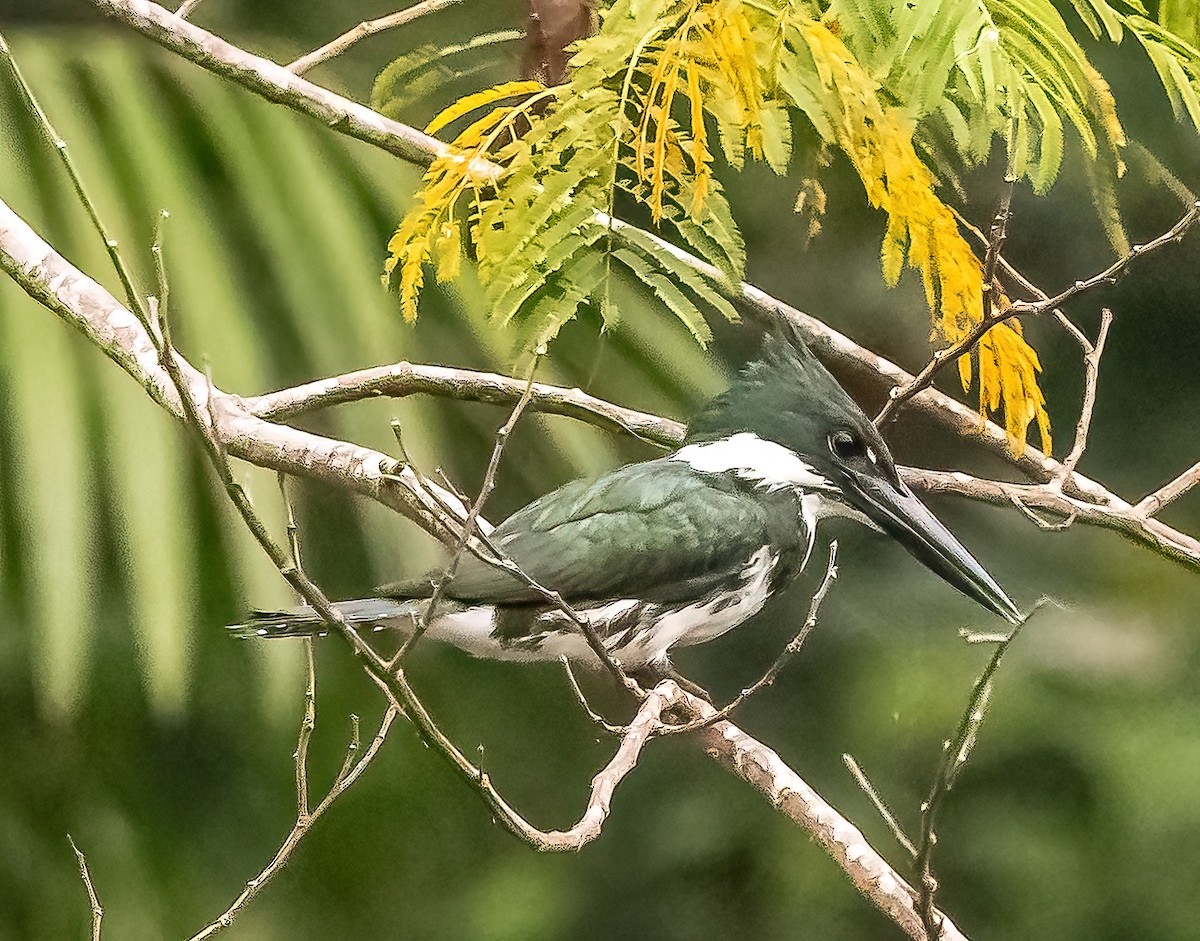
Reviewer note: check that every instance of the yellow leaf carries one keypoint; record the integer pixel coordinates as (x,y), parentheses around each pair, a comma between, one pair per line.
(447,249)
(473,102)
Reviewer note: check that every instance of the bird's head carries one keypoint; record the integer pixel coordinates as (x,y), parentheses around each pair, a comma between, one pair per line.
(785,421)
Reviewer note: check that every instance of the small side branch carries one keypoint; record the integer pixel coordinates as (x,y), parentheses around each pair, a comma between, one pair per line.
(955,753)
(470,527)
(640,730)
(351,771)
(93,898)
(1169,492)
(361,31)
(1091,376)
(864,783)
(1113,272)
(1121,518)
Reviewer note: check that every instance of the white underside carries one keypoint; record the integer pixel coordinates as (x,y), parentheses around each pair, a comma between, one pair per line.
(647,640)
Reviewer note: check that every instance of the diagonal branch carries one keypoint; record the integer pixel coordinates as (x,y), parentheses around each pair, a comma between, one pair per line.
(761,767)
(1170,491)
(364,29)
(93,898)
(274,82)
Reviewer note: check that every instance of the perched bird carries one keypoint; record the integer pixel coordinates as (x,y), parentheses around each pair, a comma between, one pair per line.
(679,550)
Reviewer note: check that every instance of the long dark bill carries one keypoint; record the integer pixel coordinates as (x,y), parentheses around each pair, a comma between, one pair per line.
(895,508)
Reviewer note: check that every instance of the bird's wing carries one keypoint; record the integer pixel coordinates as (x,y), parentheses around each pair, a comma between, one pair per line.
(653,531)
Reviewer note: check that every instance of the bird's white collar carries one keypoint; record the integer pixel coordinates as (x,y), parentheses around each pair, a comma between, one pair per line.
(770,465)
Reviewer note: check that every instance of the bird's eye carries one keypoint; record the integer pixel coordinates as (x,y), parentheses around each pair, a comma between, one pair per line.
(846,445)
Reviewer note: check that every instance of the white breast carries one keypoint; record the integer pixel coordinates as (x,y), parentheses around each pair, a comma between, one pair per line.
(704,620)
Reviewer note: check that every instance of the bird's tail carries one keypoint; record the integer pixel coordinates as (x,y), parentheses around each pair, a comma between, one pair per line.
(378,613)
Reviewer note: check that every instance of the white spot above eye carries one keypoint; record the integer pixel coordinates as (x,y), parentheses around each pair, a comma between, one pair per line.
(752,458)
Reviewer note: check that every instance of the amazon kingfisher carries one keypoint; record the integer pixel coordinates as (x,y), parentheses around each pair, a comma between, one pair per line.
(679,550)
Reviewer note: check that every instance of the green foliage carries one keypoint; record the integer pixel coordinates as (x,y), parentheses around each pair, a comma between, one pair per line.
(429,68)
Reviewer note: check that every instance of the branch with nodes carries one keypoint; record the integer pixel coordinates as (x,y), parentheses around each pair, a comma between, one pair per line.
(758,765)
(353,765)
(93,898)
(1169,492)
(403,379)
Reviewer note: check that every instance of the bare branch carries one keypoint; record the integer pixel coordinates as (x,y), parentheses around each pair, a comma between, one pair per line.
(470,527)
(93,898)
(304,823)
(640,730)
(955,753)
(998,235)
(1122,518)
(1169,492)
(1114,271)
(404,379)
(361,31)
(186,8)
(860,778)
(275,83)
(761,767)
(587,707)
(307,724)
(1091,374)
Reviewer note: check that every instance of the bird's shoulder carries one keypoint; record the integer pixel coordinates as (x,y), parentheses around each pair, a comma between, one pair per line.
(648,489)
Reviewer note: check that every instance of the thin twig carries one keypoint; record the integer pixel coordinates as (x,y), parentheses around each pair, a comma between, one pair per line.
(307,724)
(999,232)
(881,808)
(361,31)
(955,753)
(304,822)
(898,395)
(1114,271)
(639,731)
(1091,376)
(587,707)
(470,525)
(788,652)
(136,302)
(93,898)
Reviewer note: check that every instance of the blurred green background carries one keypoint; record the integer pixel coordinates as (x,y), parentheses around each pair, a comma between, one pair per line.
(129,720)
